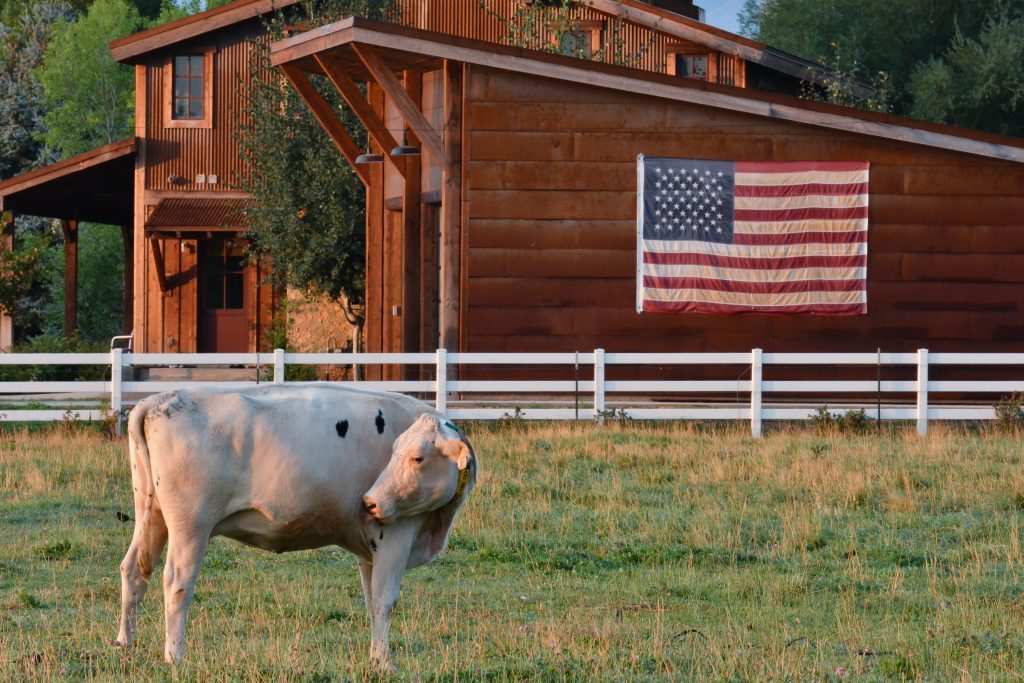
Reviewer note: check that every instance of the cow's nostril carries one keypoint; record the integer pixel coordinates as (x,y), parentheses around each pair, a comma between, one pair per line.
(369,505)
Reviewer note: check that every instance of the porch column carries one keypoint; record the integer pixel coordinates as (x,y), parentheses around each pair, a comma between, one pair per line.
(70,229)
(128,302)
(451,207)
(6,325)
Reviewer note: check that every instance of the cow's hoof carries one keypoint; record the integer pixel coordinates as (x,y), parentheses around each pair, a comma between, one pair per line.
(121,644)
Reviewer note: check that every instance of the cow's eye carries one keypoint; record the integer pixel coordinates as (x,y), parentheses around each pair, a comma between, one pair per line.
(418,458)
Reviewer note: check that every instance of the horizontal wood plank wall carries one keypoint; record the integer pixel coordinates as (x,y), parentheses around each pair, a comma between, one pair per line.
(552,206)
(644,48)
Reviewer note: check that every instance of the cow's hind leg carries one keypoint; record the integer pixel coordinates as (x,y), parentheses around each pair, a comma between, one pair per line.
(148,542)
(185,552)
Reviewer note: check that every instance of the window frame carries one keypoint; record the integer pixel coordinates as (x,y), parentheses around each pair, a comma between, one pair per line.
(581,27)
(206,121)
(674,52)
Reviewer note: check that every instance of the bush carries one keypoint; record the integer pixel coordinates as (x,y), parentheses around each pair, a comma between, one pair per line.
(850,422)
(1010,414)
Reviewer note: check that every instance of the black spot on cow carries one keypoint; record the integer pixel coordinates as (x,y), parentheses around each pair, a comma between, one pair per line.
(373,544)
(382,534)
(379,422)
(342,428)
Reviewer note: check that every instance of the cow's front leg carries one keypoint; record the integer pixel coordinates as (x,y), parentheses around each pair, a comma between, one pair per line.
(389,563)
(366,576)
(185,553)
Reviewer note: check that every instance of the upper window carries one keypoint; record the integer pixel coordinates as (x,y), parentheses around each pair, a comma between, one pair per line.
(576,44)
(691,66)
(188,90)
(189,84)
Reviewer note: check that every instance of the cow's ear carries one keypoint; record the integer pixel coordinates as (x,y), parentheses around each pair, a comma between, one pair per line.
(458,452)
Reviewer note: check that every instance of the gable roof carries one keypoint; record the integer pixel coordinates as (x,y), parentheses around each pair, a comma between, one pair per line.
(413,48)
(131,49)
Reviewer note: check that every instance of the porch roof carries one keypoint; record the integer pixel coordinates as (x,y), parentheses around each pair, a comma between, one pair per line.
(97,186)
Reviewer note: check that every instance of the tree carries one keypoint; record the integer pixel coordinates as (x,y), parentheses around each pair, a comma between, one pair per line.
(308,214)
(879,35)
(979,83)
(90,99)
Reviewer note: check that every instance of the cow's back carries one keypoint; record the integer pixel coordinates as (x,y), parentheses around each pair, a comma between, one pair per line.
(282,468)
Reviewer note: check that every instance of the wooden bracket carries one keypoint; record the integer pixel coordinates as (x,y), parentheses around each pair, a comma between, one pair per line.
(158,262)
(322,111)
(362,109)
(414,118)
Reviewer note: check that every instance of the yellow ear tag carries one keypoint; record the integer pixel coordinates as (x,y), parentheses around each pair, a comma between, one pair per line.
(463,480)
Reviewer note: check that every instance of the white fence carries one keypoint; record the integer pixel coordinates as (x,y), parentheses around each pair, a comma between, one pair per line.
(587,394)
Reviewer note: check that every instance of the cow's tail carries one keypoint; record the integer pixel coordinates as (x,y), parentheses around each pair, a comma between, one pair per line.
(139,452)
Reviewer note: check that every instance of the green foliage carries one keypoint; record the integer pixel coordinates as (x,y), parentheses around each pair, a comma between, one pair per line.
(23,41)
(850,422)
(55,343)
(1010,414)
(549,26)
(90,99)
(876,35)
(308,216)
(842,82)
(979,82)
(19,270)
(100,285)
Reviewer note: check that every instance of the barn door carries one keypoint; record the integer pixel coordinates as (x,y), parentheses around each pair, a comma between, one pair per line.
(223,297)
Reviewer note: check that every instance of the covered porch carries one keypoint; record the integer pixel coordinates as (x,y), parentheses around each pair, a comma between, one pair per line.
(94,187)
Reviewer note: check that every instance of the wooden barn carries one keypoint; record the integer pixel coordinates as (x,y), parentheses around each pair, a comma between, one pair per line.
(529,211)
(172,187)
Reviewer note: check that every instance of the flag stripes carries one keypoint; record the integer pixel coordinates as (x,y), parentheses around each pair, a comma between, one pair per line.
(752,237)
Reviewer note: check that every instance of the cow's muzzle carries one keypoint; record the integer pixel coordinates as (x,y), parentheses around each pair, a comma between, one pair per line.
(375,510)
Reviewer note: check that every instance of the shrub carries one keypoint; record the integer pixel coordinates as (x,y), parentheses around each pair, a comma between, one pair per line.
(48,343)
(850,422)
(1010,414)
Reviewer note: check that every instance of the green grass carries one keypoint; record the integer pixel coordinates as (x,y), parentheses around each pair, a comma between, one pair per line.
(627,552)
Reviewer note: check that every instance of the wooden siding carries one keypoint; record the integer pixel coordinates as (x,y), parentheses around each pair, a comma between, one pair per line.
(649,48)
(188,152)
(551,183)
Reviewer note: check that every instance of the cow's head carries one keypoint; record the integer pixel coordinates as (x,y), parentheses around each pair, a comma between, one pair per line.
(432,466)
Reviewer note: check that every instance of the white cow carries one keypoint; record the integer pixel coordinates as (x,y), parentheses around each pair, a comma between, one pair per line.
(283,469)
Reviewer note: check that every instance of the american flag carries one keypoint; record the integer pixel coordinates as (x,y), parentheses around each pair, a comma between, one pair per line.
(752,237)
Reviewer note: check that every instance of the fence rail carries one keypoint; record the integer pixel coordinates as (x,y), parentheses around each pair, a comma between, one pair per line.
(454,384)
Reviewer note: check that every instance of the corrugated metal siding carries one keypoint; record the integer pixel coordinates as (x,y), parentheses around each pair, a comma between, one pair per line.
(198,212)
(187,152)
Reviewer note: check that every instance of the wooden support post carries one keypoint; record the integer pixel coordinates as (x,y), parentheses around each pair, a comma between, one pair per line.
(6,324)
(70,230)
(451,208)
(128,300)
(410,110)
(323,113)
(361,107)
(411,241)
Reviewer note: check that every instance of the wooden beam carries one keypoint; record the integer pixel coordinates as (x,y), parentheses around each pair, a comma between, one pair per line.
(361,107)
(128,299)
(451,207)
(6,323)
(414,118)
(158,263)
(411,240)
(70,230)
(322,111)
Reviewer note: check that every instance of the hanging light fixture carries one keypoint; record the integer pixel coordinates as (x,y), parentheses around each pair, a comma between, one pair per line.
(369,157)
(405,149)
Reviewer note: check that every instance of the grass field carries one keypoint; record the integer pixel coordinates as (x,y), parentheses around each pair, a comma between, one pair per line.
(667,552)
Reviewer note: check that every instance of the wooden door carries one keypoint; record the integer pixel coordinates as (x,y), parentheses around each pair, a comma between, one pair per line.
(223,297)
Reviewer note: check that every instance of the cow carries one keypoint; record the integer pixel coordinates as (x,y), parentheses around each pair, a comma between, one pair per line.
(289,468)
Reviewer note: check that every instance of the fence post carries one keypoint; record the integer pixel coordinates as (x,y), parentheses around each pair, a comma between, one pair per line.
(755,393)
(922,392)
(115,388)
(441,374)
(278,366)
(599,385)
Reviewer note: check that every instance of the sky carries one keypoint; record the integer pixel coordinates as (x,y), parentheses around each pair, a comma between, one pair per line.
(722,13)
